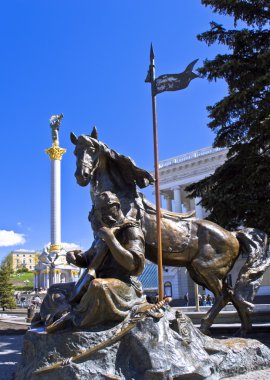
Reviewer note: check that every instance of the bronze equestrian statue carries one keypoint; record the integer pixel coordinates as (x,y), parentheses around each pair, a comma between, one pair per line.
(207,250)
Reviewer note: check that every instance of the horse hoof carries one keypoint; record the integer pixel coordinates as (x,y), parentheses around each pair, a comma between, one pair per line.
(205,331)
(242,333)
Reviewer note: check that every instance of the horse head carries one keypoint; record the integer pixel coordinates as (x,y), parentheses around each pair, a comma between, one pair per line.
(87,150)
(120,171)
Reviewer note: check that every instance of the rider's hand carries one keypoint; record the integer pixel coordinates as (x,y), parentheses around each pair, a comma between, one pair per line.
(106,233)
(71,256)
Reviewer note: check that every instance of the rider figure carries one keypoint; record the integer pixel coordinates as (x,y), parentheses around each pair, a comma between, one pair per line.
(113,287)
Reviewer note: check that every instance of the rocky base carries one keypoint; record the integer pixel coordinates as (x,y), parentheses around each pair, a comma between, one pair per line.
(168,349)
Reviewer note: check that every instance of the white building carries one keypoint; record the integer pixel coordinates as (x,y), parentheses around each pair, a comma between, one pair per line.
(24,259)
(175,174)
(47,274)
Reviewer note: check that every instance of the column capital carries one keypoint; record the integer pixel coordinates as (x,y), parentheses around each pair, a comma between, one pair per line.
(55,152)
(167,196)
(55,248)
(178,187)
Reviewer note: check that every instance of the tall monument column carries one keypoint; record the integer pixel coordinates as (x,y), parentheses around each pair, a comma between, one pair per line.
(55,153)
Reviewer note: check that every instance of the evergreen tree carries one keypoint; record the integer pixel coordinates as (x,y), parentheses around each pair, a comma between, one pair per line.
(238,193)
(7,300)
(8,260)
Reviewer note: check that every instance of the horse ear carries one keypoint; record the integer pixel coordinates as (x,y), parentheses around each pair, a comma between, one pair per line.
(94,133)
(73,138)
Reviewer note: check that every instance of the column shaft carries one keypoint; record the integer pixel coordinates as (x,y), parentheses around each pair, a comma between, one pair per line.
(55,202)
(198,208)
(168,202)
(177,199)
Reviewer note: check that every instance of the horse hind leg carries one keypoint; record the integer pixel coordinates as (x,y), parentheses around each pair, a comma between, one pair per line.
(217,287)
(244,309)
(221,299)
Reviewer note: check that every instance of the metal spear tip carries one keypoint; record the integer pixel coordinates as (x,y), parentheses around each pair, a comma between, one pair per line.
(152,54)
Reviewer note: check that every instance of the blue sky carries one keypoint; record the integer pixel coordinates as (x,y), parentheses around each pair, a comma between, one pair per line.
(88,60)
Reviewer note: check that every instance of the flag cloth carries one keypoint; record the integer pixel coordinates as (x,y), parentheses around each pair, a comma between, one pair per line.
(174,82)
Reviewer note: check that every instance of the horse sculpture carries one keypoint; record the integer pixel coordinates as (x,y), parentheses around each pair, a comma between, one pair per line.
(207,250)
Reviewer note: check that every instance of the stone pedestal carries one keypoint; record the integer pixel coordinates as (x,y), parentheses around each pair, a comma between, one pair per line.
(171,348)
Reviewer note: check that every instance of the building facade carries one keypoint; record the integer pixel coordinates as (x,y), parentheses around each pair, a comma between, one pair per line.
(175,174)
(60,272)
(24,259)
(178,172)
(149,281)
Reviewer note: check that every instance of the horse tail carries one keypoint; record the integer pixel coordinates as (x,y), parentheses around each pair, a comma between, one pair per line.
(253,245)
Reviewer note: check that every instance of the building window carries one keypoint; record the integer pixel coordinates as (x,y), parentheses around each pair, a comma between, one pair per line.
(168,289)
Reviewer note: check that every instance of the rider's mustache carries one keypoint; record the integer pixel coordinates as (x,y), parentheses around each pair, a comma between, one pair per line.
(109,220)
(112,220)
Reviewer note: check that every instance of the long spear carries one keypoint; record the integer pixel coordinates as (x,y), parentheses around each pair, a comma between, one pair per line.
(151,78)
(166,82)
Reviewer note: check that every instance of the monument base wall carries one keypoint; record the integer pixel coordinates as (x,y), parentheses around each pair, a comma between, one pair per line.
(171,348)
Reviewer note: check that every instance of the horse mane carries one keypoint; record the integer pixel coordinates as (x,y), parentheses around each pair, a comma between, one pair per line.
(130,172)
(128,168)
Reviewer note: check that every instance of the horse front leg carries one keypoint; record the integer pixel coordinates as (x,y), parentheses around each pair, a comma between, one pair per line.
(201,274)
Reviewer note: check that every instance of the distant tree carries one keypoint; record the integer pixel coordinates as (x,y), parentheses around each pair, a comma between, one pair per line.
(22,270)
(238,193)
(8,260)
(7,300)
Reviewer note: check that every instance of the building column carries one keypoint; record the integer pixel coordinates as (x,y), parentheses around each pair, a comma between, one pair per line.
(44,281)
(53,279)
(168,199)
(198,208)
(47,280)
(177,199)
(160,200)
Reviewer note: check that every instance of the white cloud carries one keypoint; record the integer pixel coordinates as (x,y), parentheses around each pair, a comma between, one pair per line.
(67,246)
(25,250)
(70,246)
(9,238)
